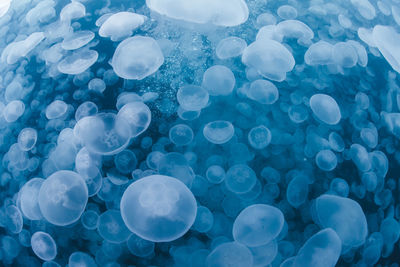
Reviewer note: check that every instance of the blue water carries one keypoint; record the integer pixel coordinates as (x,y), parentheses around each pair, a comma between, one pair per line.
(190,133)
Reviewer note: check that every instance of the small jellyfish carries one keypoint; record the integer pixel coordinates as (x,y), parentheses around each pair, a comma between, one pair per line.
(81,259)
(344,216)
(103,133)
(63,197)
(120,25)
(287,12)
(13,110)
(232,254)
(240,179)
(326,160)
(176,165)
(77,40)
(140,247)
(218,132)
(90,219)
(158,208)
(218,80)
(85,109)
(56,109)
(137,57)
(321,249)
(181,135)
(111,227)
(78,62)
(215,174)
(263,91)
(325,109)
(204,220)
(230,47)
(43,246)
(137,115)
(27,138)
(125,161)
(258,225)
(97,85)
(297,191)
(192,97)
(13,221)
(259,137)
(28,199)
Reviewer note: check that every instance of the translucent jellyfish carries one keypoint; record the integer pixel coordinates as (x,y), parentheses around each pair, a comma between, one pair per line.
(215,174)
(137,115)
(320,53)
(287,12)
(28,199)
(74,10)
(345,55)
(78,62)
(90,219)
(326,160)
(111,227)
(158,208)
(344,216)
(204,220)
(221,13)
(43,246)
(125,161)
(140,247)
(181,135)
(85,109)
(14,51)
(271,59)
(325,109)
(321,249)
(137,57)
(240,179)
(263,91)
(121,25)
(360,157)
(56,109)
(103,133)
(230,47)
(295,29)
(87,164)
(218,80)
(43,12)
(27,138)
(218,132)
(386,38)
(192,97)
(297,191)
(176,165)
(77,40)
(81,259)
(365,8)
(63,197)
(97,85)
(231,254)
(13,220)
(13,110)
(259,137)
(4,6)
(257,225)
(264,255)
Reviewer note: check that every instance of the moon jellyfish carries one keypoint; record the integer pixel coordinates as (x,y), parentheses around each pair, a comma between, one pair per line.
(258,225)
(326,160)
(230,47)
(218,80)
(137,57)
(218,132)
(240,179)
(263,91)
(325,109)
(121,25)
(77,40)
(137,115)
(43,246)
(4,6)
(192,97)
(28,198)
(103,133)
(343,215)
(259,137)
(321,249)
(27,138)
(78,62)
(158,208)
(181,135)
(63,197)
(90,219)
(111,227)
(81,259)
(13,220)
(140,247)
(56,109)
(230,254)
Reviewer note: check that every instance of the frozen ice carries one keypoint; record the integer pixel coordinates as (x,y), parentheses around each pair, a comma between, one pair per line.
(193,97)
(158,208)
(386,39)
(218,80)
(137,57)
(121,25)
(43,246)
(63,197)
(325,109)
(271,59)
(231,254)
(77,40)
(221,13)
(230,47)
(78,62)
(257,225)
(218,132)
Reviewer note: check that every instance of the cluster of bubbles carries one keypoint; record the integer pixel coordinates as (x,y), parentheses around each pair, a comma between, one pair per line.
(199,133)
